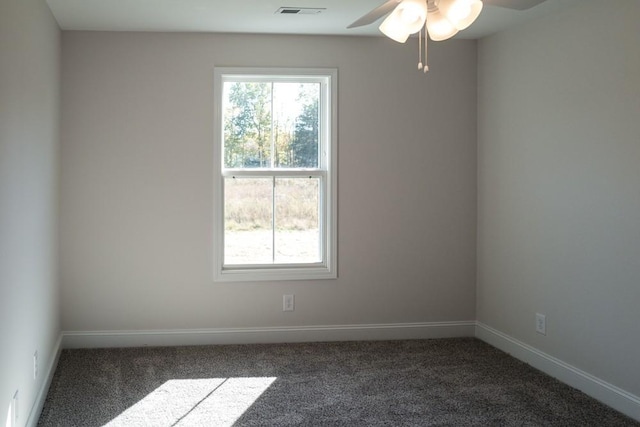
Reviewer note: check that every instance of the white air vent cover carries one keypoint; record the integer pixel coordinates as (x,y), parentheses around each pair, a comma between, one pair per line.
(299,10)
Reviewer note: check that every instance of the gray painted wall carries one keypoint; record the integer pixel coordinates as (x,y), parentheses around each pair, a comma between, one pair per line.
(559,186)
(136,184)
(29,145)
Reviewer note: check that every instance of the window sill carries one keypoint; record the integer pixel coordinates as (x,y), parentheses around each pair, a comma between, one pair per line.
(274,274)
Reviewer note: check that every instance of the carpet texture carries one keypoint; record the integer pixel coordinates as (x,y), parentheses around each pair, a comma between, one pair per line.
(440,382)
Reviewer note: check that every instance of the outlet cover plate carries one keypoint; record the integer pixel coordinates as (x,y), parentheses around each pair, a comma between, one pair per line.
(288,303)
(541,324)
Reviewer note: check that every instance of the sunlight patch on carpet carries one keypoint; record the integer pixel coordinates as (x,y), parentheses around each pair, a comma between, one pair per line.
(195,402)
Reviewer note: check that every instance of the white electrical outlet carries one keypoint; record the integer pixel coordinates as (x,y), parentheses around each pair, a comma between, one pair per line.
(35,365)
(541,324)
(288,303)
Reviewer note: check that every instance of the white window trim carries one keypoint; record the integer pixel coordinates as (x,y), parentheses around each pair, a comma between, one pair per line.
(327,269)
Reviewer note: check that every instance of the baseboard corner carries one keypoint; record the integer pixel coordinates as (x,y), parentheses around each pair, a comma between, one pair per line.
(38,404)
(607,393)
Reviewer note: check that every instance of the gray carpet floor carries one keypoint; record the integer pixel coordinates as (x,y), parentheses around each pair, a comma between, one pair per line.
(442,382)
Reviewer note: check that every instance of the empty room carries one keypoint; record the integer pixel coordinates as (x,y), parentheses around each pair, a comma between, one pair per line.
(362,213)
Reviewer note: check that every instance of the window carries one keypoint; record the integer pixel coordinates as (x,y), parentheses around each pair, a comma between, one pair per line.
(275,174)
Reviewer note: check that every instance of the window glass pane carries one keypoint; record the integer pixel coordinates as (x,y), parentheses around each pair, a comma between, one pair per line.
(297,234)
(296,120)
(248,219)
(246,110)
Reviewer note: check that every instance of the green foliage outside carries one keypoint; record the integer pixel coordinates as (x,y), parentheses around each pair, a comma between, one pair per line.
(247,126)
(251,121)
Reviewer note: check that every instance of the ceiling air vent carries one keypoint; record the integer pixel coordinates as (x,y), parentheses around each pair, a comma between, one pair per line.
(299,10)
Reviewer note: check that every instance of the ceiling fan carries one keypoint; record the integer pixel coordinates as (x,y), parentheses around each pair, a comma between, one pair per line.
(441,19)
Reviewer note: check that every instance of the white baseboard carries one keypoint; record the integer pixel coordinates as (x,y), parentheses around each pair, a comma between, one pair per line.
(102,339)
(36,409)
(609,394)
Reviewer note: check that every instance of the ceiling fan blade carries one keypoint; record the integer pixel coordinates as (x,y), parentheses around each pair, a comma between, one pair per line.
(514,4)
(375,14)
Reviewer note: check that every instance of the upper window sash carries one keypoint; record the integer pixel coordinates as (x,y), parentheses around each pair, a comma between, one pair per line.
(321,76)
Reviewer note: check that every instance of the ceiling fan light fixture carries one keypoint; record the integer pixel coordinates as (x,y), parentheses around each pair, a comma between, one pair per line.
(407,18)
(461,13)
(393,28)
(439,27)
(413,13)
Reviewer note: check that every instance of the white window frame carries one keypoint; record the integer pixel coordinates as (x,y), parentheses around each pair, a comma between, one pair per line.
(327,171)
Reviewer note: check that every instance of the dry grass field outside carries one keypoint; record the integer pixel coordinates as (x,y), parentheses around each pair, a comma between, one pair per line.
(255,234)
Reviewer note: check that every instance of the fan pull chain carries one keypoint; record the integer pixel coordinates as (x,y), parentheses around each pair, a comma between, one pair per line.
(425,68)
(420,50)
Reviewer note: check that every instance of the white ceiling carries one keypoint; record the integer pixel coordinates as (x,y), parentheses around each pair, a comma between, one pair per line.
(256,16)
